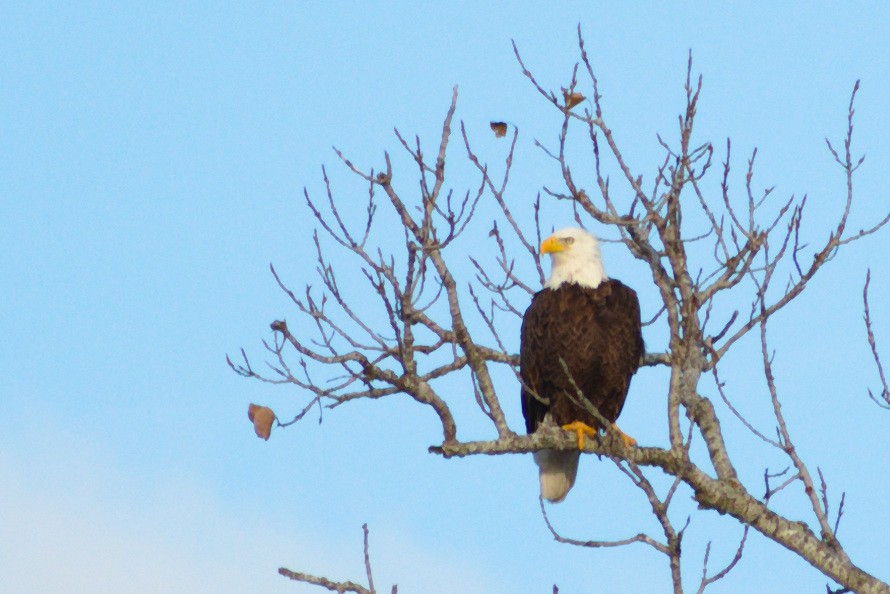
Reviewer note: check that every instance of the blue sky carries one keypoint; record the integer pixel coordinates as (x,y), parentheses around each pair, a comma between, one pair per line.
(153,161)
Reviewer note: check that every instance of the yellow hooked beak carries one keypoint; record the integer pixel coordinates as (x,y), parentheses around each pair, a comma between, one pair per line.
(552,245)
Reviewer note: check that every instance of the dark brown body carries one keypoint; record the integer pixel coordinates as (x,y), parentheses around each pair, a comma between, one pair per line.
(597,333)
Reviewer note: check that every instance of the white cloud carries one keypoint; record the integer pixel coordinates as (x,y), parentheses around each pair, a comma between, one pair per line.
(72,522)
(76,518)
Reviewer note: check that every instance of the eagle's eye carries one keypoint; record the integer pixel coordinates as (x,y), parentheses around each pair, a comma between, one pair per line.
(568,240)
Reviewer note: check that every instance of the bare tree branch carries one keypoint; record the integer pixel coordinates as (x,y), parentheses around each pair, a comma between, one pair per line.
(339,587)
(885,391)
(743,256)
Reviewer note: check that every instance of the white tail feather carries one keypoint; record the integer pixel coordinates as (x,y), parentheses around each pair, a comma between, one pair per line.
(557,469)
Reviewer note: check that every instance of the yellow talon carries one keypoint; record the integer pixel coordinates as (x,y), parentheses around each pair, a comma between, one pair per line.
(581,429)
(627,439)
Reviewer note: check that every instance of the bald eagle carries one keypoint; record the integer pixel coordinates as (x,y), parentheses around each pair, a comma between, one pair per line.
(591,324)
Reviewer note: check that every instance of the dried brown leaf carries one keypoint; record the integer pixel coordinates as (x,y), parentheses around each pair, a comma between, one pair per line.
(572,99)
(262,418)
(499,128)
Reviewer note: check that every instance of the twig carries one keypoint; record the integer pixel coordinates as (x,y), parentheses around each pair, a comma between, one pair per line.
(885,391)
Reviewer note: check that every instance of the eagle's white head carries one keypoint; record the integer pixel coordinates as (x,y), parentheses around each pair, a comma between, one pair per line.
(575,254)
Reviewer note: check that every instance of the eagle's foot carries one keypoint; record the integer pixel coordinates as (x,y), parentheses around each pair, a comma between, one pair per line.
(627,439)
(581,429)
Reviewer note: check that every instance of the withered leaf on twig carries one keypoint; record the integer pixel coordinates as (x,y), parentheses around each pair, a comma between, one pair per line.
(572,99)
(262,418)
(499,128)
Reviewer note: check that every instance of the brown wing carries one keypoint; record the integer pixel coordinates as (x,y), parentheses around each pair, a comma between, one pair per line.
(597,334)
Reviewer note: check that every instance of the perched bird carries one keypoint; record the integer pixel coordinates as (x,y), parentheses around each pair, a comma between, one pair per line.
(581,338)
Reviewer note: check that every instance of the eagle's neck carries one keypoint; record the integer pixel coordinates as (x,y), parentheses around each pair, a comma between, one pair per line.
(587,272)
